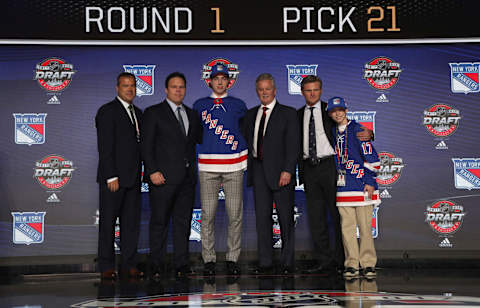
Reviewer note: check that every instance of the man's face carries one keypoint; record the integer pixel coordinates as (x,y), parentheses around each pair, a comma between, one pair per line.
(219,84)
(127,89)
(176,90)
(339,115)
(266,91)
(312,92)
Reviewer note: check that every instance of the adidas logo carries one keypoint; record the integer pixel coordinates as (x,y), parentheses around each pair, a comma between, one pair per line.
(54,101)
(441,146)
(382,99)
(221,195)
(445,243)
(53,198)
(385,194)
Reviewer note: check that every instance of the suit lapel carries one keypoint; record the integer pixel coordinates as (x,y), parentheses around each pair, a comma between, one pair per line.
(271,119)
(126,116)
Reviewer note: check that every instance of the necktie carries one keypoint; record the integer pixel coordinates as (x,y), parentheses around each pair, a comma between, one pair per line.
(180,119)
(130,109)
(312,140)
(261,128)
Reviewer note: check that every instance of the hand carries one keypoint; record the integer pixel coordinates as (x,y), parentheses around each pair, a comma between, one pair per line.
(365,134)
(369,189)
(157,178)
(285,178)
(113,186)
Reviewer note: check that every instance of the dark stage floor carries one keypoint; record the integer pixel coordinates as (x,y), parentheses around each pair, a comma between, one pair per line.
(391,288)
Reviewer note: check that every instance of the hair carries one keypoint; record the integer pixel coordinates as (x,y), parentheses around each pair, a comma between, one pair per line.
(175,75)
(265,76)
(309,79)
(124,74)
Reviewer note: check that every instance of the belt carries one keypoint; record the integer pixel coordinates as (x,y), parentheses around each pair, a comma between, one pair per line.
(317,160)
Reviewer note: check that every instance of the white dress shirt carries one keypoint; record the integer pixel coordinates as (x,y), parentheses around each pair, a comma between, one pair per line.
(257,123)
(323,145)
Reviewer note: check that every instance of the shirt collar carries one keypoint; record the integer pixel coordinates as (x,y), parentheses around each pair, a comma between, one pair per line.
(213,95)
(271,105)
(124,103)
(316,105)
(173,105)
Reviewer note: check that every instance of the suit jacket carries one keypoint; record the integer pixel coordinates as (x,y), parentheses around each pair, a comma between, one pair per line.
(164,147)
(118,149)
(328,123)
(280,143)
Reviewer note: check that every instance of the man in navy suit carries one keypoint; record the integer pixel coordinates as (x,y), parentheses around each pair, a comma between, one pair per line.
(118,126)
(171,132)
(272,134)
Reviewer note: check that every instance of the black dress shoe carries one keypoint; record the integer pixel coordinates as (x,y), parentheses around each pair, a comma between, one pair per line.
(209,269)
(287,271)
(320,269)
(183,272)
(233,269)
(261,270)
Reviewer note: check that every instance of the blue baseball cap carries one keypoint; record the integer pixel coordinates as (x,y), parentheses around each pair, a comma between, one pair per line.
(336,102)
(219,68)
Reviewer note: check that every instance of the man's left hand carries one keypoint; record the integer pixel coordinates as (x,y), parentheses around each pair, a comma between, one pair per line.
(285,178)
(365,134)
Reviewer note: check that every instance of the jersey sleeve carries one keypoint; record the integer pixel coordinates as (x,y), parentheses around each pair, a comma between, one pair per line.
(371,162)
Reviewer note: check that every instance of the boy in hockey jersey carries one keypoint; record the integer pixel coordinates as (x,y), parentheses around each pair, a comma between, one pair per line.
(357,190)
(222,160)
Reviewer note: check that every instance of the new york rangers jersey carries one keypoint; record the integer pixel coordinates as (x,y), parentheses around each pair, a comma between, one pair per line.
(223,149)
(359,162)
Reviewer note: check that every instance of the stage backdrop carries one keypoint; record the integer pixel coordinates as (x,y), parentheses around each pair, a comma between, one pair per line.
(421,100)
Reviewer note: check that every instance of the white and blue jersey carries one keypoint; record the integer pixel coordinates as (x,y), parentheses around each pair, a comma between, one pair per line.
(223,149)
(359,160)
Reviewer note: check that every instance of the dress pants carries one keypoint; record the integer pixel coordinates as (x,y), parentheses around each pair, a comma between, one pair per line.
(124,203)
(321,193)
(171,201)
(233,187)
(284,202)
(351,217)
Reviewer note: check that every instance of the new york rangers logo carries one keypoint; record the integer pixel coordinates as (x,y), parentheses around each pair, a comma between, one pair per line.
(466,173)
(145,77)
(465,77)
(365,118)
(196,225)
(296,73)
(28,227)
(374,224)
(29,128)
(232,71)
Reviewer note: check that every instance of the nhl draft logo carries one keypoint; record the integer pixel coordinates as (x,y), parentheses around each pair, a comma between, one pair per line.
(382,73)
(53,172)
(391,168)
(441,120)
(365,118)
(445,217)
(30,128)
(465,77)
(28,227)
(54,74)
(232,71)
(296,73)
(467,173)
(196,225)
(144,76)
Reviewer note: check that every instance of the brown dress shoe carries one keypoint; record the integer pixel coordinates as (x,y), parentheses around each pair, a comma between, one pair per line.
(109,274)
(135,273)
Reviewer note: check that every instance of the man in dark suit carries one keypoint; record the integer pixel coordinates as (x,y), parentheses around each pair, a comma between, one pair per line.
(272,135)
(119,167)
(317,171)
(171,132)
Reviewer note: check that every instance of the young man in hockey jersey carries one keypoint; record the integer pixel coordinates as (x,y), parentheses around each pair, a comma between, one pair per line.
(222,160)
(357,190)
